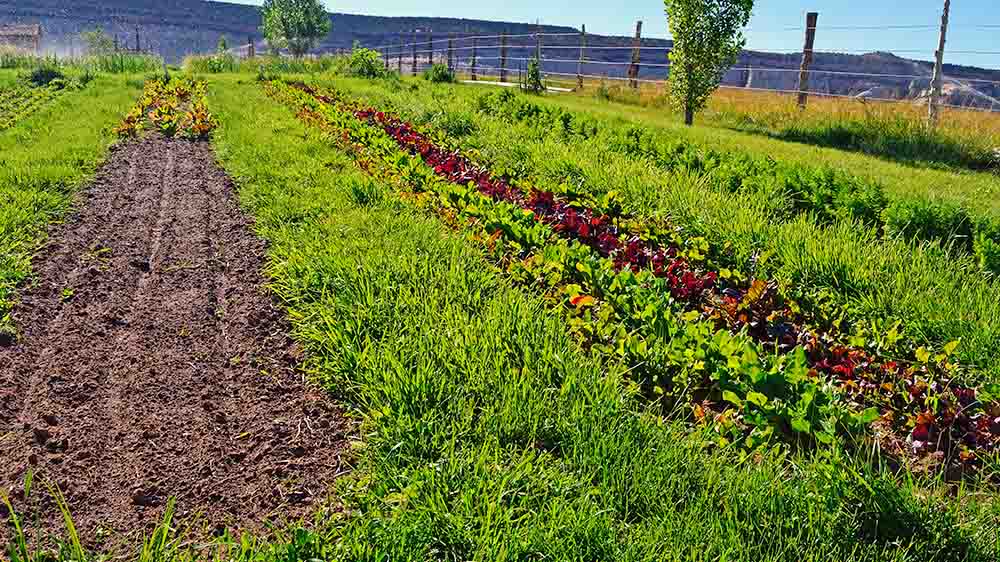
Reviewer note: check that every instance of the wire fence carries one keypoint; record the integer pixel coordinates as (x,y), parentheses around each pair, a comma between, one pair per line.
(569,57)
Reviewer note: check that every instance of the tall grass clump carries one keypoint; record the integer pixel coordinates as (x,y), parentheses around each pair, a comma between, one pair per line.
(109,63)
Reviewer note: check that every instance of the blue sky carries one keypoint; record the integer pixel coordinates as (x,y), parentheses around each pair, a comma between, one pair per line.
(768,28)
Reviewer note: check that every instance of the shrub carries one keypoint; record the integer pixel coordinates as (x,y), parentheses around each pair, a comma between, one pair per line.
(988,252)
(927,220)
(533,79)
(366,63)
(43,76)
(439,74)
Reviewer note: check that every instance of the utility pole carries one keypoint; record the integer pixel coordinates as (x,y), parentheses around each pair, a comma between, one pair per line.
(430,49)
(583,49)
(807,57)
(932,104)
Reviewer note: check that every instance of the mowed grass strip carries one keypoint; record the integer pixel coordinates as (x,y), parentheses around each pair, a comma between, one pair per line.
(43,160)
(938,296)
(487,435)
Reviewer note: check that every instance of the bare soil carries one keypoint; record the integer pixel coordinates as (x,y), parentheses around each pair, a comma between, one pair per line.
(153,364)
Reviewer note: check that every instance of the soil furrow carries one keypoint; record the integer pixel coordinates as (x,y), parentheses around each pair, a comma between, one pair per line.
(166,370)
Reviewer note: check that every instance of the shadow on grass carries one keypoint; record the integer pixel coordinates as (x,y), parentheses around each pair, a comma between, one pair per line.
(898,140)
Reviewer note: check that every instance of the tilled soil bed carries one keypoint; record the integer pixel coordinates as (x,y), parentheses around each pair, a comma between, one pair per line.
(153,364)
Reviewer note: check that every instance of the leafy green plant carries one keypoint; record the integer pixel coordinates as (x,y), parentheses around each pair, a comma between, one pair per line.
(366,63)
(533,78)
(43,75)
(439,74)
(924,219)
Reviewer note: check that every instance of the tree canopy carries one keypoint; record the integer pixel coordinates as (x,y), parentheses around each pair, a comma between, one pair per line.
(97,42)
(707,41)
(296,25)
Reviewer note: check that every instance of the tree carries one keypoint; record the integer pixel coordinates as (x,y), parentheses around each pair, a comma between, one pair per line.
(533,78)
(97,41)
(295,25)
(223,44)
(707,42)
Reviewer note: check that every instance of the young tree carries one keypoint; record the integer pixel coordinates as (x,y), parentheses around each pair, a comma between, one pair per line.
(707,41)
(294,24)
(97,41)
(223,45)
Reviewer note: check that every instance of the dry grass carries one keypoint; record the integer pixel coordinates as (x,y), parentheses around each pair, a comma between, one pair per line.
(896,131)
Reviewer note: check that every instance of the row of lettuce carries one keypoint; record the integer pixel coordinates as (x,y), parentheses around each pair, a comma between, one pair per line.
(827,194)
(22,101)
(703,341)
(173,107)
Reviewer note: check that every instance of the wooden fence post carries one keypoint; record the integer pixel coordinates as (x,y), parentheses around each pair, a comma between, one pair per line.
(503,56)
(579,66)
(538,55)
(807,58)
(932,104)
(413,69)
(430,49)
(451,53)
(399,58)
(633,69)
(251,48)
(475,49)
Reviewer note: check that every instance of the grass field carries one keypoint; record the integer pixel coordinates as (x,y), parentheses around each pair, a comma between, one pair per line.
(963,139)
(873,278)
(464,461)
(46,157)
(562,335)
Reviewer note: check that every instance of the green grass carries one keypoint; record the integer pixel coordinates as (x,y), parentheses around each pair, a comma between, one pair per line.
(979,191)
(226,63)
(43,159)
(939,297)
(894,132)
(486,434)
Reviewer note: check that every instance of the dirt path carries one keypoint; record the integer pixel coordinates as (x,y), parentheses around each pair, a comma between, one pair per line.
(154,365)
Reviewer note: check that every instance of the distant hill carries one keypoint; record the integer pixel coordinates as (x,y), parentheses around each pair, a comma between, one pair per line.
(175,28)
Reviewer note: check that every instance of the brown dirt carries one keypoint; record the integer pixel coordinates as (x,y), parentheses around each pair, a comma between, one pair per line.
(153,364)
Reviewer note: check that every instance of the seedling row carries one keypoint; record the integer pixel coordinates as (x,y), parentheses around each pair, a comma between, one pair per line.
(20,102)
(725,348)
(175,107)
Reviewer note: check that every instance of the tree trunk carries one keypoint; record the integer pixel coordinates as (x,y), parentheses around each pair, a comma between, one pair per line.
(689,115)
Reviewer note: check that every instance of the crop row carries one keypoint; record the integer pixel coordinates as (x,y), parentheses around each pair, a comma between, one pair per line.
(729,347)
(20,102)
(826,194)
(175,107)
